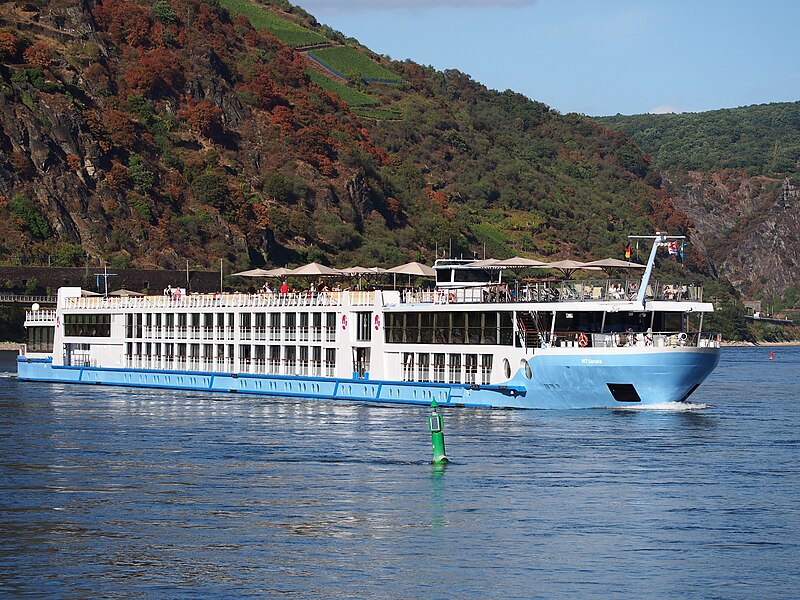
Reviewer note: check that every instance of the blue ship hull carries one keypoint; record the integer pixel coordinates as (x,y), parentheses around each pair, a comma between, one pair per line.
(554,381)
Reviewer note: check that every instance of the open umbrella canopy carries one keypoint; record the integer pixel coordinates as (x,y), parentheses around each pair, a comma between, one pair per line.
(125,293)
(486,263)
(253,273)
(413,268)
(613,263)
(314,270)
(568,267)
(278,272)
(519,262)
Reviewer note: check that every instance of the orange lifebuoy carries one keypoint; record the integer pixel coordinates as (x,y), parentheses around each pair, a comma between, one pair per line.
(583,340)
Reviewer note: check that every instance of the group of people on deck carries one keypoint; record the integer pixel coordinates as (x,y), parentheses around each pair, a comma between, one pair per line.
(284,289)
(172,293)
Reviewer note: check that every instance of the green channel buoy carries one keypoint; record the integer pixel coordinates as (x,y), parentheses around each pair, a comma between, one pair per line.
(437,435)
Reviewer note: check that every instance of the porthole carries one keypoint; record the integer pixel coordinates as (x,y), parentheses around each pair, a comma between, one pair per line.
(527,367)
(507,368)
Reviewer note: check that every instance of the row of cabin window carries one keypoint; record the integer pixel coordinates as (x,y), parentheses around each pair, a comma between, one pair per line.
(447,368)
(279,359)
(137,322)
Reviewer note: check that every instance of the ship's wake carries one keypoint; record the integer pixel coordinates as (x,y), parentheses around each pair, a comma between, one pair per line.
(669,406)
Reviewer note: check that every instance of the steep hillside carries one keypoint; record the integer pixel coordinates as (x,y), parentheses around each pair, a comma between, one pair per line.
(735,173)
(150,133)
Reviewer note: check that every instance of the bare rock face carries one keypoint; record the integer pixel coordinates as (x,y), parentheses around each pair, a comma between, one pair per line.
(748,228)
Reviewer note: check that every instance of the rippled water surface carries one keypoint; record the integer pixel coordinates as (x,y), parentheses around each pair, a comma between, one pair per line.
(112,492)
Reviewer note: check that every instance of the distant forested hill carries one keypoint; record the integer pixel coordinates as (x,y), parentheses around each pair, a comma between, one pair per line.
(763,139)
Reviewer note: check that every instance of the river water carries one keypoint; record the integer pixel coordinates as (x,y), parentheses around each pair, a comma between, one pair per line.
(112,492)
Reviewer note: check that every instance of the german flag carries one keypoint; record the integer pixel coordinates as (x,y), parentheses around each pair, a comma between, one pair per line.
(628,251)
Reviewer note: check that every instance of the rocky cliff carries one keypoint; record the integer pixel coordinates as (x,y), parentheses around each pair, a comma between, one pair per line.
(747,226)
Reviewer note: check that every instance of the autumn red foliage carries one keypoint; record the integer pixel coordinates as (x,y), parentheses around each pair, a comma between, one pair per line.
(8,45)
(118,128)
(203,117)
(156,72)
(126,22)
(666,216)
(74,162)
(39,55)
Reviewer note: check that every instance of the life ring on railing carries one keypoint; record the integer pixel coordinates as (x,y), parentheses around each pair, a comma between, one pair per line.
(583,340)
(682,337)
(344,322)
(377,322)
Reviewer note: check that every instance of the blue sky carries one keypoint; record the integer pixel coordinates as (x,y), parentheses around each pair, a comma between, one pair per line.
(596,57)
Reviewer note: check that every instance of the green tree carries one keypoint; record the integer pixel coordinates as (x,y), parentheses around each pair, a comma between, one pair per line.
(32,218)
(143,179)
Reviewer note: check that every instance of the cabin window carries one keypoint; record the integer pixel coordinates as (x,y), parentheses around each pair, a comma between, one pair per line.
(245,320)
(290,360)
(330,327)
(439,366)
(291,327)
(304,358)
(274,327)
(260,358)
(471,368)
(423,367)
(274,360)
(316,327)
(363,326)
(303,327)
(316,361)
(408,366)
(455,368)
(244,357)
(486,368)
(330,362)
(208,325)
(260,326)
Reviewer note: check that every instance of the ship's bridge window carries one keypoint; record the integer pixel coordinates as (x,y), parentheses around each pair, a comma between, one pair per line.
(446,276)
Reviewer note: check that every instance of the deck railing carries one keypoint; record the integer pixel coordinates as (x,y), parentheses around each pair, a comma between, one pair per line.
(622,290)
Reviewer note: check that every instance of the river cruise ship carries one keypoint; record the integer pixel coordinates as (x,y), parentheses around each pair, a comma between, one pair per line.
(472,340)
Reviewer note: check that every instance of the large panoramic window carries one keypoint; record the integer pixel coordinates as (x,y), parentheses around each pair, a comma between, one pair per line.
(480,328)
(87,325)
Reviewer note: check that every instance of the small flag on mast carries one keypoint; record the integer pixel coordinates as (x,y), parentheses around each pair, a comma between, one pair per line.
(628,251)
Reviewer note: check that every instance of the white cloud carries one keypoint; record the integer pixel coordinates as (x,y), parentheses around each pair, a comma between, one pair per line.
(664,109)
(404,5)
